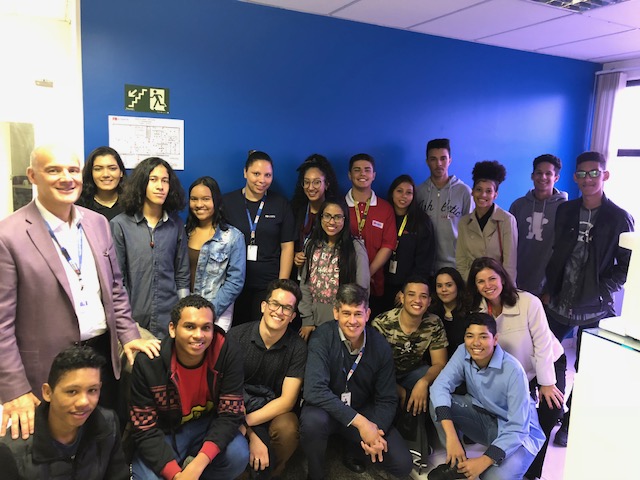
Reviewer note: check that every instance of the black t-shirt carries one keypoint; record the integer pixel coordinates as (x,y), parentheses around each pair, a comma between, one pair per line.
(276,226)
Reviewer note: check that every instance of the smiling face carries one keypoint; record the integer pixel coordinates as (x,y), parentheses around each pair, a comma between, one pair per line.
(73,399)
(193,334)
(415,299)
(438,161)
(259,176)
(352,320)
(58,176)
(362,174)
(106,173)
(446,289)
(591,187)
(484,194)
(201,203)
(314,184)
(279,311)
(480,343)
(158,186)
(331,225)
(544,178)
(489,285)
(402,197)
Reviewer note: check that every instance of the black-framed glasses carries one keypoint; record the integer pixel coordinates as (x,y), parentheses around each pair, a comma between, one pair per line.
(274,306)
(595,173)
(315,183)
(327,217)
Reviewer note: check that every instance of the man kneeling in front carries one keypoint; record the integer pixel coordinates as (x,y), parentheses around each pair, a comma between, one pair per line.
(350,390)
(497,410)
(73,437)
(187,404)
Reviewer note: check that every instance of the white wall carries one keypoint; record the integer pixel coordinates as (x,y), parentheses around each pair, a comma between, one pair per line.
(37,48)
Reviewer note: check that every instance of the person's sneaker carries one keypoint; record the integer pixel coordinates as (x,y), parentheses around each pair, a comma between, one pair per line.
(560,440)
(445,472)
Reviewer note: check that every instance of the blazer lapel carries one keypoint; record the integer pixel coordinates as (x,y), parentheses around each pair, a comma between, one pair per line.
(41,239)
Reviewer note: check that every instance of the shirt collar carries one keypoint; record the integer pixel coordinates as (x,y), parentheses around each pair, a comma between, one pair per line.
(347,343)
(139,217)
(54,222)
(351,202)
(496,358)
(257,339)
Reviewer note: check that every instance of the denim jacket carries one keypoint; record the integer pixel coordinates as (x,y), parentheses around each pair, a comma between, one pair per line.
(221,268)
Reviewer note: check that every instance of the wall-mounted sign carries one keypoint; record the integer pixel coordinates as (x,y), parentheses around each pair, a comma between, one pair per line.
(139,98)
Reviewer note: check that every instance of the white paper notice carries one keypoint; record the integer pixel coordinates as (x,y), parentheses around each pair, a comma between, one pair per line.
(136,138)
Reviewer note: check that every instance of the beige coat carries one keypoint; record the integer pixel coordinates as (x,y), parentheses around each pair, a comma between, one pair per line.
(475,243)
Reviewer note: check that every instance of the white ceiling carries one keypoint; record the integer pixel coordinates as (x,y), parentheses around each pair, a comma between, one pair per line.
(603,35)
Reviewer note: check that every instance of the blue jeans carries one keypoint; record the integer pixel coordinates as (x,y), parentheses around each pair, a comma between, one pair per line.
(229,463)
(483,428)
(409,379)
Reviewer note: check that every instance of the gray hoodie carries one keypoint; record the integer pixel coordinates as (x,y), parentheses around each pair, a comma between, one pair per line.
(445,206)
(536,220)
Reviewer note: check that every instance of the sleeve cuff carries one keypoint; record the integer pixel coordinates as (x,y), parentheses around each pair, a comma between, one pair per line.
(183,292)
(443,413)
(210,449)
(495,453)
(170,470)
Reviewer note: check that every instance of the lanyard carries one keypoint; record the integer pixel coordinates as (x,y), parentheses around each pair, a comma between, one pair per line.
(75,266)
(355,364)
(253,225)
(363,220)
(400,231)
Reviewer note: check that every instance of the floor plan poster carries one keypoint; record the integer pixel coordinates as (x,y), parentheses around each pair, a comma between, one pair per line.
(136,138)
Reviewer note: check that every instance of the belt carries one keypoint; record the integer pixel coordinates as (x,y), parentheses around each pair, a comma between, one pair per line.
(95,342)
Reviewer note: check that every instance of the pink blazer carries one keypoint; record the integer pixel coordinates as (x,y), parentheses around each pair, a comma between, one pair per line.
(37,318)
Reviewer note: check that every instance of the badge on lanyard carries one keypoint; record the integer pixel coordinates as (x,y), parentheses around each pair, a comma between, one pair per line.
(252,253)
(393,266)
(345,398)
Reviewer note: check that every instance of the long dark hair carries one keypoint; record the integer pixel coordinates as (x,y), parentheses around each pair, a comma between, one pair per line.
(88,184)
(300,201)
(436,303)
(344,244)
(219,219)
(135,190)
(416,218)
(509,294)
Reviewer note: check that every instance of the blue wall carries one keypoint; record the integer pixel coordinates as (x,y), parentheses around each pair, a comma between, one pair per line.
(243,76)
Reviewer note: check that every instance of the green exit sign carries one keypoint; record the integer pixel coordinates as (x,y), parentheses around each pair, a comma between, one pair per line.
(139,98)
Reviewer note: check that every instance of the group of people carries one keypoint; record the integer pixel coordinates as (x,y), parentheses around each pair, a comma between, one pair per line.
(469,304)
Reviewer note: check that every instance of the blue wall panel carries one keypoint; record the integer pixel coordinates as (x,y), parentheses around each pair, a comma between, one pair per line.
(243,76)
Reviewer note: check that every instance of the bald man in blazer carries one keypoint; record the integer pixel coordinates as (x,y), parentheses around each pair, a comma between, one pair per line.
(42,302)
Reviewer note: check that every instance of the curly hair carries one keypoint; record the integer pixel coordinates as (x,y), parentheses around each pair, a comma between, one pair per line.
(135,191)
(489,170)
(89,187)
(300,201)
(194,300)
(219,218)
(344,243)
(509,294)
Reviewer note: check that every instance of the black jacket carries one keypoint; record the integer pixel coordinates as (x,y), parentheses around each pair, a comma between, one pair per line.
(155,401)
(99,455)
(608,263)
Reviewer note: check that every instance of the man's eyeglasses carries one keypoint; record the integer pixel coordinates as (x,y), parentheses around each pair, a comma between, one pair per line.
(327,217)
(595,173)
(316,183)
(274,306)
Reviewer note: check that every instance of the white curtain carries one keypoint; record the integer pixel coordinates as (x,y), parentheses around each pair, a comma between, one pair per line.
(607,87)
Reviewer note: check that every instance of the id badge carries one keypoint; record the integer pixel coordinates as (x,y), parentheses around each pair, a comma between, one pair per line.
(393,266)
(346,398)
(252,253)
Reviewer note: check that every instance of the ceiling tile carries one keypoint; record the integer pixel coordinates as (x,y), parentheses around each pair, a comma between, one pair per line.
(626,13)
(602,47)
(489,18)
(554,32)
(401,13)
(320,7)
